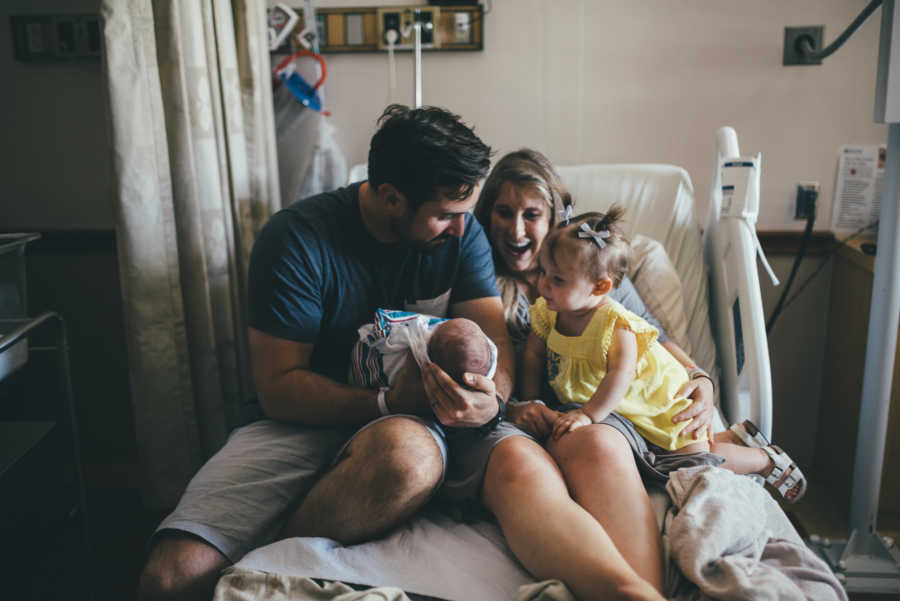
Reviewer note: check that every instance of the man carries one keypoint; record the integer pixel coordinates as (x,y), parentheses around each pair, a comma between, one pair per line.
(404,239)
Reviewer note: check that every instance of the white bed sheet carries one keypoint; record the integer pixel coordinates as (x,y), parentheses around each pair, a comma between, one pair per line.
(431,555)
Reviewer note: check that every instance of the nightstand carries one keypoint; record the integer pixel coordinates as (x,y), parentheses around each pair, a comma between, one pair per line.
(845,350)
(42,480)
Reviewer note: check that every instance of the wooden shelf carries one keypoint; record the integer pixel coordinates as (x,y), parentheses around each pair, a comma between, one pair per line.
(18,439)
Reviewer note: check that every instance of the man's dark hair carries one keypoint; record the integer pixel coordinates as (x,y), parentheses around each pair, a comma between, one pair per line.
(420,151)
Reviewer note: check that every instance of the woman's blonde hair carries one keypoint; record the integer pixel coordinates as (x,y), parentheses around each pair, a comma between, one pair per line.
(596,243)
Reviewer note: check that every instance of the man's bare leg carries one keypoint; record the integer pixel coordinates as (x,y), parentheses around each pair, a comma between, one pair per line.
(386,473)
(181,567)
(598,466)
(550,533)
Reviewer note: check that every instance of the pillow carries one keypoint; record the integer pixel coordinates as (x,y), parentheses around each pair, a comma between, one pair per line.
(658,284)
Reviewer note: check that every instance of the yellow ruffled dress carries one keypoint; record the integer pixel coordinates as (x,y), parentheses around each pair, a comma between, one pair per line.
(577,364)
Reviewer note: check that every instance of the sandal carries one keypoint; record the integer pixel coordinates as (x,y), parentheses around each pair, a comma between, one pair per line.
(785,475)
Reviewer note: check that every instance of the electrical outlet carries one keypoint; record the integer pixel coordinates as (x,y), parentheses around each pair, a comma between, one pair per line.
(807,197)
(462,32)
(389,21)
(793,37)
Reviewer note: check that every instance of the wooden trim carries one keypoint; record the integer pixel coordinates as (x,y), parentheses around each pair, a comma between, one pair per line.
(335,31)
(787,242)
(774,242)
(71,240)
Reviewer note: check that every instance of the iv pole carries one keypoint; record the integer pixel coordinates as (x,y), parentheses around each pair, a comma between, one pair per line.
(866,562)
(417,65)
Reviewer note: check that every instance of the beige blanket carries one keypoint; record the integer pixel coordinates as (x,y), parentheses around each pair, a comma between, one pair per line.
(730,538)
(239,584)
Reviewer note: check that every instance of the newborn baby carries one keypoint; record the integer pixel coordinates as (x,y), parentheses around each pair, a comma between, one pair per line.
(459,346)
(456,345)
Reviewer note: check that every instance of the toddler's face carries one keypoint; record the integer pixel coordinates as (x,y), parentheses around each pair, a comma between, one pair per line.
(563,285)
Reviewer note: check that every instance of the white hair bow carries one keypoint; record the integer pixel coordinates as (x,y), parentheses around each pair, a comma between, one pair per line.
(598,237)
(565,214)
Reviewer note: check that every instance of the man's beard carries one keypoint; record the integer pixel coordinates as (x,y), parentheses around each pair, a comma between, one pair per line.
(402,228)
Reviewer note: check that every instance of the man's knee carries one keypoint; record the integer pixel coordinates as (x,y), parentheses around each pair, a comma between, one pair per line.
(181,566)
(400,453)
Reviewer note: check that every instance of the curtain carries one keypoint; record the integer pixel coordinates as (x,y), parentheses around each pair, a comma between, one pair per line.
(193,144)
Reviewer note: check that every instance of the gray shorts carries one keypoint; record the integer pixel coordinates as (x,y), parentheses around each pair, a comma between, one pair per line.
(240,498)
(469,453)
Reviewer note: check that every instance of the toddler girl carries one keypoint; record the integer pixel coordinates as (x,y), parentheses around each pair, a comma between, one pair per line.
(599,355)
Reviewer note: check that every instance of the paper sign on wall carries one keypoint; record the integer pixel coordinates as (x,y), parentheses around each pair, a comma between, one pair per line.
(860,181)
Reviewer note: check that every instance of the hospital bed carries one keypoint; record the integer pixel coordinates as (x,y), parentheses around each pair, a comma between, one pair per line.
(704,289)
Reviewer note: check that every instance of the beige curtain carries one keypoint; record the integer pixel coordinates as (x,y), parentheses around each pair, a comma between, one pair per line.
(193,144)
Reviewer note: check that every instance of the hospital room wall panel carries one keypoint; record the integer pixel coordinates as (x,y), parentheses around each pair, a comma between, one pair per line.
(561,61)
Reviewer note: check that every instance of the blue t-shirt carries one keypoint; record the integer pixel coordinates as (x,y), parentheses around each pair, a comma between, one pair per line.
(317,275)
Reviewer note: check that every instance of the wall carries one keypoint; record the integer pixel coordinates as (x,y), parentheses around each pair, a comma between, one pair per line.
(622,81)
(55,171)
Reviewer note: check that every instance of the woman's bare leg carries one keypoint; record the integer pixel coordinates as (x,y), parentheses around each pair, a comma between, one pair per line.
(549,532)
(599,468)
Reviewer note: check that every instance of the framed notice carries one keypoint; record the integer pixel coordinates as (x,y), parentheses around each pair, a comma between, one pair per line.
(858,191)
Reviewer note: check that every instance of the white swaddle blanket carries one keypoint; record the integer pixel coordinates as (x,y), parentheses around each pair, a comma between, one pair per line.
(381,350)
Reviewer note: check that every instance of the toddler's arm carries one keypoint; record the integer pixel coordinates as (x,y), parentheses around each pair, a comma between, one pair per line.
(620,369)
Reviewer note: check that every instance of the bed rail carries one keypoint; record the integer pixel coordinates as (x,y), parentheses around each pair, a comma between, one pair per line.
(730,248)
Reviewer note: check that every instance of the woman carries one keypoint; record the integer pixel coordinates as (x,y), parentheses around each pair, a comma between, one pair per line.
(583,518)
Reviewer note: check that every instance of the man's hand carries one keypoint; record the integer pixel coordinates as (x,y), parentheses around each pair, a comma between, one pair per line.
(456,406)
(701,410)
(569,422)
(535,418)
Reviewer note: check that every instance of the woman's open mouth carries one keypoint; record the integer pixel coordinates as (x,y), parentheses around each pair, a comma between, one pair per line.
(517,249)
